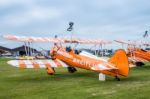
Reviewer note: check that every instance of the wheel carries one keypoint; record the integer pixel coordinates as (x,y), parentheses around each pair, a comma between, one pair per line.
(117,78)
(139,64)
(72,69)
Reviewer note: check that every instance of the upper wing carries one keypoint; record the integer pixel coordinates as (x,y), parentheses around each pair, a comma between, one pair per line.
(37,63)
(31,38)
(125,42)
(87,41)
(134,43)
(55,40)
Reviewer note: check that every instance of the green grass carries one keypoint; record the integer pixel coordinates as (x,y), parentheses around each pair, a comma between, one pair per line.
(36,84)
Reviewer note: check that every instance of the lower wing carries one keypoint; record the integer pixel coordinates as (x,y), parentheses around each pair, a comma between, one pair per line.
(37,63)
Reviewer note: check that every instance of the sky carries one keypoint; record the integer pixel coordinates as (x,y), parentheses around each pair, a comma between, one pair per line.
(95,19)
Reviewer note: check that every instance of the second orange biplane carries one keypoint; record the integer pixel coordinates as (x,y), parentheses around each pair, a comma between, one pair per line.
(136,54)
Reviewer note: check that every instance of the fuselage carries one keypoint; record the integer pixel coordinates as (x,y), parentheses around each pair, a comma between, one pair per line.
(84,62)
(142,54)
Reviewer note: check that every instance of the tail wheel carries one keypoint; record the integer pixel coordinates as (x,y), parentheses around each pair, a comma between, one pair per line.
(117,78)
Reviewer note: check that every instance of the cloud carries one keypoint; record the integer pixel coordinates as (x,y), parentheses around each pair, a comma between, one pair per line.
(109,19)
(30,12)
(27,17)
(7,3)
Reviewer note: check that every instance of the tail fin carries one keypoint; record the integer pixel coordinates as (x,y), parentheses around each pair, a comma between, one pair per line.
(120,60)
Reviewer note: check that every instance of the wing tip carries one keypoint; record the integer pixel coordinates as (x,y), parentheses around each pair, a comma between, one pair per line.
(13,63)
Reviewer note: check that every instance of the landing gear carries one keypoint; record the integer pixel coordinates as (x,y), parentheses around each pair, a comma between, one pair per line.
(53,69)
(50,73)
(71,69)
(139,64)
(117,78)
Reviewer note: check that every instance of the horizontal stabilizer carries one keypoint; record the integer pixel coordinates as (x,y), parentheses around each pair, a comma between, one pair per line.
(104,66)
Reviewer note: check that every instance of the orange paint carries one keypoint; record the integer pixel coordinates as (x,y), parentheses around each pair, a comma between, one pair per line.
(49,69)
(120,60)
(143,54)
(22,64)
(57,63)
(35,64)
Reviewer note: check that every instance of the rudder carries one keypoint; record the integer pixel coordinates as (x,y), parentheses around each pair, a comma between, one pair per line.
(120,60)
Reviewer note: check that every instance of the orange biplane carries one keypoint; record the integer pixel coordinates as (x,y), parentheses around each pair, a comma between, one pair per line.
(116,66)
(136,54)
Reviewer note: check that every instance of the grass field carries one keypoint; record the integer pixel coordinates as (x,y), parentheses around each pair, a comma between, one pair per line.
(36,84)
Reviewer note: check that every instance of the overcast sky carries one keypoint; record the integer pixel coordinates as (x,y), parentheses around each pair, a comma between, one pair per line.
(106,19)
